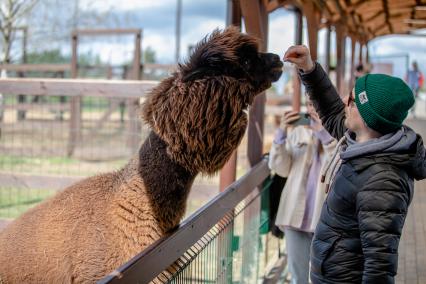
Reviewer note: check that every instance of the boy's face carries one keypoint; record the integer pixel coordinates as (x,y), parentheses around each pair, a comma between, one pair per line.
(353,119)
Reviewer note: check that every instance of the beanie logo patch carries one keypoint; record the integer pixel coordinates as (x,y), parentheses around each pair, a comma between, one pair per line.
(363,97)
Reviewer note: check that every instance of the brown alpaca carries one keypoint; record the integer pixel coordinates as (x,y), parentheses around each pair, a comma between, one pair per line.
(197,118)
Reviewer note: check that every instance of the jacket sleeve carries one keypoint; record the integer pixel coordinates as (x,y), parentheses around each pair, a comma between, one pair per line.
(280,159)
(381,208)
(329,148)
(326,100)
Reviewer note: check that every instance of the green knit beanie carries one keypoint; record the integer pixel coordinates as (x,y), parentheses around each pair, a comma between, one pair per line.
(383,101)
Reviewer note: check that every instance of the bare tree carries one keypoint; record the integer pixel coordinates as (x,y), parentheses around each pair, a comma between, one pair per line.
(12,13)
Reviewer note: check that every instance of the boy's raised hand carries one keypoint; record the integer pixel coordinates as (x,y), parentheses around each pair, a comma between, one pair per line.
(300,56)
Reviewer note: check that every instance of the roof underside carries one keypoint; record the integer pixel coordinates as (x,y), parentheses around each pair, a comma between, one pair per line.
(366,19)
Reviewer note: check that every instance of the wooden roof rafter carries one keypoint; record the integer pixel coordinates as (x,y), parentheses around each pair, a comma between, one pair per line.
(363,19)
(386,9)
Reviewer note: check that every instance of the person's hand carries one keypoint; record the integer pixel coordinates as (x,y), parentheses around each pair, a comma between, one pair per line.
(288,118)
(300,56)
(316,124)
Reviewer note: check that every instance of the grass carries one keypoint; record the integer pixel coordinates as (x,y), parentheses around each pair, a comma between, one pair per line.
(15,201)
(57,165)
(17,161)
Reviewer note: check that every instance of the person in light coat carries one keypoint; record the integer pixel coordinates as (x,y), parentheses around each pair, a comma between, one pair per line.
(299,153)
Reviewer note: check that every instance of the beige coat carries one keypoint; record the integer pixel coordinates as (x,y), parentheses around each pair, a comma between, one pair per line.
(292,160)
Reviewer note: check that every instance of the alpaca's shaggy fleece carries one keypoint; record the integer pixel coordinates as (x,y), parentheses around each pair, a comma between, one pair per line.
(197,118)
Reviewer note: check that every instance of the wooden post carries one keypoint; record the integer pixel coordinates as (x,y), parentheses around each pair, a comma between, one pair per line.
(360,60)
(296,80)
(353,45)
(367,54)
(22,98)
(312,19)
(75,103)
(340,50)
(327,50)
(134,126)
(256,23)
(229,171)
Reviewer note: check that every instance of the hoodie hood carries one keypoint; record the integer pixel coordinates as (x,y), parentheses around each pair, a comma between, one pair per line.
(403,148)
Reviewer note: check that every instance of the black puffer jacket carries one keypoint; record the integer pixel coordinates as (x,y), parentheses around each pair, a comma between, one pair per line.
(357,237)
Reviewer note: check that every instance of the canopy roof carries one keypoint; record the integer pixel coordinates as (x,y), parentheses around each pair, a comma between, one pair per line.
(364,19)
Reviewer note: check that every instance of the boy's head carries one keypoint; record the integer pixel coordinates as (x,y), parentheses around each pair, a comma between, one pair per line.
(383,101)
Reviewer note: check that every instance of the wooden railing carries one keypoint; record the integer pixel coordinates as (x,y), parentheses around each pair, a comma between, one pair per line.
(192,236)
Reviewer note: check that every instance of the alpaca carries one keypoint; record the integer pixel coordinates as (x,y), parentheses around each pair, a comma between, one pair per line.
(197,118)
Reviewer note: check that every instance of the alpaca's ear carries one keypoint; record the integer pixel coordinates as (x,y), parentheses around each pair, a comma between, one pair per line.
(194,75)
(199,73)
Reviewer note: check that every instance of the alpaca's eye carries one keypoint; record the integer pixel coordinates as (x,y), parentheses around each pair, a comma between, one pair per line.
(246,63)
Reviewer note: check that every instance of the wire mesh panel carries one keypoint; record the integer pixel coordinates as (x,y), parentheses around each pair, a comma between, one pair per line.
(235,250)
(42,151)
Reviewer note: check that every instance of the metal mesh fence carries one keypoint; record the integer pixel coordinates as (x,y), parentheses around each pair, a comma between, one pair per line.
(41,151)
(237,249)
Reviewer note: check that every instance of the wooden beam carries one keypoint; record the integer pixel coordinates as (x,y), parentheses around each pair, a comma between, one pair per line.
(37,106)
(256,23)
(272,5)
(36,67)
(374,17)
(96,32)
(379,28)
(356,5)
(76,87)
(386,9)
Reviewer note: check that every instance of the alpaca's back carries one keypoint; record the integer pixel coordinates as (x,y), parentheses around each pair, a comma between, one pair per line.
(62,240)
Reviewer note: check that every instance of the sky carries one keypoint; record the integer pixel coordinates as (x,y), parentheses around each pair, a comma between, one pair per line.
(200,17)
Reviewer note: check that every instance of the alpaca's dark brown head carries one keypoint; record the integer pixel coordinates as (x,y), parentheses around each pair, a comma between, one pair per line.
(200,111)
(233,54)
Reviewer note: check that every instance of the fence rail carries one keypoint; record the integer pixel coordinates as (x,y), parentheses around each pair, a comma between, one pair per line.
(76,87)
(150,263)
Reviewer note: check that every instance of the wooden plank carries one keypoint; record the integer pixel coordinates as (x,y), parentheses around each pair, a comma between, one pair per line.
(76,87)
(37,106)
(97,32)
(256,23)
(36,67)
(160,66)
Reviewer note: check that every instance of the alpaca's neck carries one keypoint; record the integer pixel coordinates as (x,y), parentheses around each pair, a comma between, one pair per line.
(167,183)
